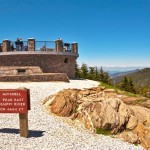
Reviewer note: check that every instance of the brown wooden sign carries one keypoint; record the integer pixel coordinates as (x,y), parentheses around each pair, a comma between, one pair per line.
(14,101)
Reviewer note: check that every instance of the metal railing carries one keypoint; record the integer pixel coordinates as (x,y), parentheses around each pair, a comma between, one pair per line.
(45,46)
(19,46)
(67,47)
(40,46)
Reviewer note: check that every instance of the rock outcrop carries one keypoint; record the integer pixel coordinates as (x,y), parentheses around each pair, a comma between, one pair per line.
(146,104)
(103,108)
(64,103)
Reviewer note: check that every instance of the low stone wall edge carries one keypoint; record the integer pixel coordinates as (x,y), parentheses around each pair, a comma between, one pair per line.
(45,77)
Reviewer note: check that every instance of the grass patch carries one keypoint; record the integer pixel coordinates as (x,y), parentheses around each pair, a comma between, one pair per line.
(103,131)
(140,101)
(119,90)
(109,86)
(131,94)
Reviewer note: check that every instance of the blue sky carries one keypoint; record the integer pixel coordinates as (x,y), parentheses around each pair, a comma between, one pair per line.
(108,32)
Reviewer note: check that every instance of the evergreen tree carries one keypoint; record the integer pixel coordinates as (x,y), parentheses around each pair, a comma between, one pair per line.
(106,78)
(84,71)
(127,85)
(101,75)
(96,74)
(77,71)
(131,86)
(92,73)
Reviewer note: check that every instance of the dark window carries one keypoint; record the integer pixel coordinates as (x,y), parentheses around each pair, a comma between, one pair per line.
(66,60)
(21,71)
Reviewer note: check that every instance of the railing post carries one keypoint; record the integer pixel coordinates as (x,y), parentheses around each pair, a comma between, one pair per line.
(31,44)
(6,46)
(59,45)
(75,47)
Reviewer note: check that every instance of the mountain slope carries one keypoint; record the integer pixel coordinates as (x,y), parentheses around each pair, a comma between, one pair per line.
(113,75)
(140,78)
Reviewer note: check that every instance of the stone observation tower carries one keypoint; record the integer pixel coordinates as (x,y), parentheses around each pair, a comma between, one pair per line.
(33,60)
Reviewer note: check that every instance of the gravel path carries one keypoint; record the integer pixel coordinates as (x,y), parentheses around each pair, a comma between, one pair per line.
(48,132)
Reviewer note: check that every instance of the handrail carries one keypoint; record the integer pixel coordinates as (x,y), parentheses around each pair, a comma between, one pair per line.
(39,45)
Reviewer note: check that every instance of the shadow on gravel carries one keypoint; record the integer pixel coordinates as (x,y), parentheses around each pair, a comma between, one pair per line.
(32,133)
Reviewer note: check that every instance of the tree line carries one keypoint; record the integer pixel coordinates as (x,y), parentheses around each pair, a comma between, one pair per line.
(98,74)
(92,73)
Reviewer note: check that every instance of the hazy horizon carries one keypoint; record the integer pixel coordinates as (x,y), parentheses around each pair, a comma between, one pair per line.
(113,66)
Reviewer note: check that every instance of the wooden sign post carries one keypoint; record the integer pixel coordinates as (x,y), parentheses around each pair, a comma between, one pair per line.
(23,120)
(16,101)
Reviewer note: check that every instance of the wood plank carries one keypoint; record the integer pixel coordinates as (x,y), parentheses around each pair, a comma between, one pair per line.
(23,120)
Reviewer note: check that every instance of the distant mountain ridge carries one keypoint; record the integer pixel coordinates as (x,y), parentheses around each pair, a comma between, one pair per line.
(113,70)
(140,77)
(117,74)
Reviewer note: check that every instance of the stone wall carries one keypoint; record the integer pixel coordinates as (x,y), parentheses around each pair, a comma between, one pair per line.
(45,77)
(16,70)
(48,62)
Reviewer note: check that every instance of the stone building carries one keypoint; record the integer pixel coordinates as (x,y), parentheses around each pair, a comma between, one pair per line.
(26,58)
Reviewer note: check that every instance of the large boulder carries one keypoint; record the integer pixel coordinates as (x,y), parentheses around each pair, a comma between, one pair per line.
(64,103)
(102,108)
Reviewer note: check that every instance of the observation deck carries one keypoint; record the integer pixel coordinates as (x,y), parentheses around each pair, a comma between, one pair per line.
(50,56)
(31,46)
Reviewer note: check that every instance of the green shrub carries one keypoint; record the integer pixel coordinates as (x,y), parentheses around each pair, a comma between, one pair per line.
(103,131)
(140,101)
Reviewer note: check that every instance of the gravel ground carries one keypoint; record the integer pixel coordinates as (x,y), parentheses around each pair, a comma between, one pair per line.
(49,132)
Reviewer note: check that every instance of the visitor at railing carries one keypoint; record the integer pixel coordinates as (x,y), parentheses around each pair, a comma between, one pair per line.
(19,44)
(67,47)
(43,48)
